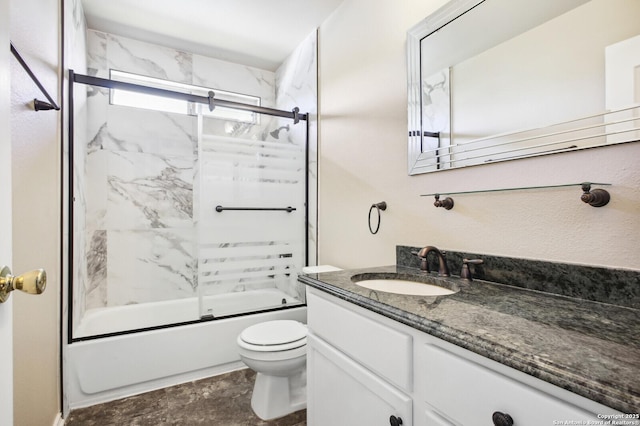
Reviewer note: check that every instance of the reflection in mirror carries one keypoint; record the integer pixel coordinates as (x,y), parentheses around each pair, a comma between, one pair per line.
(497,80)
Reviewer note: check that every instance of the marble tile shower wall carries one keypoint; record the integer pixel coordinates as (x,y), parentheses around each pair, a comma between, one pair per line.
(297,86)
(140,172)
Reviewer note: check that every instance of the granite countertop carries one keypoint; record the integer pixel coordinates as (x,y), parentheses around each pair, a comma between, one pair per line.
(589,348)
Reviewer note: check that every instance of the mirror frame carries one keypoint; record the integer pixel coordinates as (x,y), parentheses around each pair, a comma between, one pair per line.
(441,17)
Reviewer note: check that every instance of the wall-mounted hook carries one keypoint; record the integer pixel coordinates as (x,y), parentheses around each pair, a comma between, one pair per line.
(447,203)
(596,198)
(378,206)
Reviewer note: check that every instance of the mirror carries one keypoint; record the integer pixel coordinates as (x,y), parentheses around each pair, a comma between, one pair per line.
(497,80)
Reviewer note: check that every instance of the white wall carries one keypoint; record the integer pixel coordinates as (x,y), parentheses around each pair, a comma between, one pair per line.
(34,30)
(363,152)
(509,86)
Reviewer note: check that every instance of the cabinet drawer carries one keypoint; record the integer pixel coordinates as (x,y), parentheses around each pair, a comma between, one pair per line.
(386,351)
(468,393)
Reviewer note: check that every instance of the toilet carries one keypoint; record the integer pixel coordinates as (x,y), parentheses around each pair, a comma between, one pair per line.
(277,352)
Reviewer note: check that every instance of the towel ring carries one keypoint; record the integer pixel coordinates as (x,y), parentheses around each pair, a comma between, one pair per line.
(378,206)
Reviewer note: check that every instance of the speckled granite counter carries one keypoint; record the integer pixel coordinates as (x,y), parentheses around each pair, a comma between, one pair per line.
(586,347)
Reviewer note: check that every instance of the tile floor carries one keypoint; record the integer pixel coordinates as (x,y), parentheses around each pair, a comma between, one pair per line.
(223,400)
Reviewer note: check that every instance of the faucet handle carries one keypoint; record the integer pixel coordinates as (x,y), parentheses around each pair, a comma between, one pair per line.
(466,274)
(424,265)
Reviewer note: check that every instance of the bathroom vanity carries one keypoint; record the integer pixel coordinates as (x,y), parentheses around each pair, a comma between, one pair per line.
(487,354)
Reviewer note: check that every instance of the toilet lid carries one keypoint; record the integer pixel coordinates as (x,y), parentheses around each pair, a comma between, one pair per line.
(274,333)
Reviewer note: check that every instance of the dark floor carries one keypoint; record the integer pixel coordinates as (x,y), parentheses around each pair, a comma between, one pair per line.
(223,400)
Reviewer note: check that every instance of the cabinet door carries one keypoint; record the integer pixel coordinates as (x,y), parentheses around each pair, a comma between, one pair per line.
(342,392)
(433,419)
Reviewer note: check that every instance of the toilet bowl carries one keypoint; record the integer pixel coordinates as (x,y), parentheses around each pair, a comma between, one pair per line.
(277,352)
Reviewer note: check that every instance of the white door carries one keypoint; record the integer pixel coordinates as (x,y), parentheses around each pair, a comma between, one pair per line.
(6,325)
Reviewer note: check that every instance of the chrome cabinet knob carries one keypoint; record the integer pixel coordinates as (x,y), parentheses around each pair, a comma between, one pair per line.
(33,282)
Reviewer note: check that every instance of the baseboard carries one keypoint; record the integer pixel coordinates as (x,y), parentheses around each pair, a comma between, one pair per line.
(58,421)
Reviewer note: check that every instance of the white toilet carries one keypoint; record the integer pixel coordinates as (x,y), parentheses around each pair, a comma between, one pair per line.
(277,351)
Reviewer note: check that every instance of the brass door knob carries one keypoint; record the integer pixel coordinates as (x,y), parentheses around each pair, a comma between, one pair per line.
(33,282)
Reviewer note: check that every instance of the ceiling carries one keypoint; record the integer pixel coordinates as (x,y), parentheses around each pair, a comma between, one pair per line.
(259,33)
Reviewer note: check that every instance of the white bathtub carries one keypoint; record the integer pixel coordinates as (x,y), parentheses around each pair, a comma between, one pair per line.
(145,315)
(113,367)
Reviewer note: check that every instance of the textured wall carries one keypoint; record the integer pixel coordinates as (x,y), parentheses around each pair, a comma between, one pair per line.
(363,151)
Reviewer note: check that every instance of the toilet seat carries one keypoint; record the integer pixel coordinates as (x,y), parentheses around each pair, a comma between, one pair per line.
(279,335)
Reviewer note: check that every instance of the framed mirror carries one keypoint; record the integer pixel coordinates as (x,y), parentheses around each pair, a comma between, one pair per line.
(497,80)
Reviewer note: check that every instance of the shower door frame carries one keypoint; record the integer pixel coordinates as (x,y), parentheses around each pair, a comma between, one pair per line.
(210,101)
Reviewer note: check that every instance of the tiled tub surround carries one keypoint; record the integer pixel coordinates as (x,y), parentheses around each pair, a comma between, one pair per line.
(589,348)
(137,203)
(139,199)
(140,173)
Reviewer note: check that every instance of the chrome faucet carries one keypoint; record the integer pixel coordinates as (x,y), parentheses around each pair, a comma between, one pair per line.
(443,269)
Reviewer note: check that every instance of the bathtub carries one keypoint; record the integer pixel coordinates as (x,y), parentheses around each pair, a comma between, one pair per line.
(113,367)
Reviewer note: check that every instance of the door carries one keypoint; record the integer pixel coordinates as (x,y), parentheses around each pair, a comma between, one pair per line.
(252,218)
(6,323)
(342,392)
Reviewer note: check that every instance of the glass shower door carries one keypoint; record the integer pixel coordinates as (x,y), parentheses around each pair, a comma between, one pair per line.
(251,217)
(181,216)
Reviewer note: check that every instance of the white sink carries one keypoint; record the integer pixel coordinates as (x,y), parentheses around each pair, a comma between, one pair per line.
(404,287)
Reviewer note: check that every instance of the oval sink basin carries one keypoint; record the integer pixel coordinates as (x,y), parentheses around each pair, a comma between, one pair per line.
(402,284)
(405,287)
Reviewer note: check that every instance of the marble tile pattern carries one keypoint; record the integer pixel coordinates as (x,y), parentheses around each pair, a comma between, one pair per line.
(139,172)
(297,86)
(138,182)
(219,400)
(589,348)
(606,285)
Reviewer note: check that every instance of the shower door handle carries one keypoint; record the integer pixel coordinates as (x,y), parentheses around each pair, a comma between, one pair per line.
(33,282)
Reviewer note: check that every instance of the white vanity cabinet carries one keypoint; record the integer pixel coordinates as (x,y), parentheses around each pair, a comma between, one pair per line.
(359,369)
(364,368)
